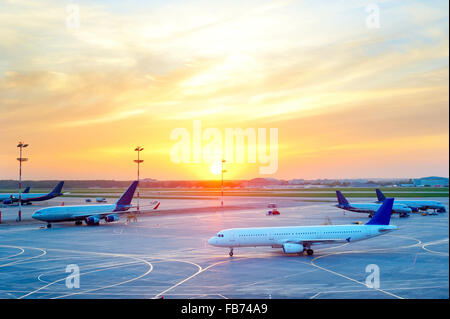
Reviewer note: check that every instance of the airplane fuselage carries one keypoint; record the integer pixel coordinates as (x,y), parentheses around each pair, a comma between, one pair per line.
(371,208)
(71,213)
(422,204)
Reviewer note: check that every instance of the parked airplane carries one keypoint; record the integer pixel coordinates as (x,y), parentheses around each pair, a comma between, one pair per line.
(369,208)
(91,214)
(415,205)
(299,239)
(7,196)
(27,197)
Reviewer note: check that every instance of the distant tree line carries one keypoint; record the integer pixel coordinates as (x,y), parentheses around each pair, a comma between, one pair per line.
(151,183)
(49,184)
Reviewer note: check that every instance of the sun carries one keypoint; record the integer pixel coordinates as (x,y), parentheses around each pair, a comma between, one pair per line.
(216,168)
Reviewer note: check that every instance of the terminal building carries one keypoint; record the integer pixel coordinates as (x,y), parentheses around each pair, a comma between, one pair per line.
(432,181)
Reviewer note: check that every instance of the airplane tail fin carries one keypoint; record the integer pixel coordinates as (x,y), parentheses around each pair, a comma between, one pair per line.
(341,199)
(27,190)
(383,214)
(124,202)
(58,189)
(380,195)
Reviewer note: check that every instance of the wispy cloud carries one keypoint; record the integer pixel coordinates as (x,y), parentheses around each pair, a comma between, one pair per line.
(312,69)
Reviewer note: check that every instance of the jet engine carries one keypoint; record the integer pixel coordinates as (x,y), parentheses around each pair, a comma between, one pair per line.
(292,248)
(111,218)
(92,220)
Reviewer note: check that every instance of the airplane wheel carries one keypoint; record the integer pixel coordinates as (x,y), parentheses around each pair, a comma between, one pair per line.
(310,252)
(78,222)
(231,253)
(49,225)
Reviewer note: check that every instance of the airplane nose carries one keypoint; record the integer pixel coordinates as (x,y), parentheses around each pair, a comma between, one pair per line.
(36,215)
(212,241)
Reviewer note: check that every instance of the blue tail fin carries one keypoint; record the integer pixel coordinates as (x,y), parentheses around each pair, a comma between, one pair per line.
(341,199)
(58,189)
(380,195)
(27,190)
(383,214)
(124,202)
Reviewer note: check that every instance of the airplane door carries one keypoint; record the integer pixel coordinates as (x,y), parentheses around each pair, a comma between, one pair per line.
(271,237)
(232,238)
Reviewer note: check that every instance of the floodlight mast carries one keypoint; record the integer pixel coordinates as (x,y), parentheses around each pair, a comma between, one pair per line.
(138,161)
(223,171)
(21,146)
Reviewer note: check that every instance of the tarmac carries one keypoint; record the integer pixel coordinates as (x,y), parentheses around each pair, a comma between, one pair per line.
(166,254)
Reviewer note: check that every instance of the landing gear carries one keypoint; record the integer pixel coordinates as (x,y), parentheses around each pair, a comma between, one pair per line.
(308,251)
(370,215)
(78,222)
(231,252)
(402,215)
(49,225)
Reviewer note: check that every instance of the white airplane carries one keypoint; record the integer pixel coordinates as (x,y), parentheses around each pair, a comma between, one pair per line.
(369,208)
(28,197)
(299,239)
(415,205)
(91,214)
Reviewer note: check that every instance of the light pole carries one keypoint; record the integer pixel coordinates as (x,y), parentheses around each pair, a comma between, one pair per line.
(138,161)
(223,171)
(21,145)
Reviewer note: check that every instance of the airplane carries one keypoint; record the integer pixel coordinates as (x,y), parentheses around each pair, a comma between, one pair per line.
(28,198)
(91,214)
(369,208)
(415,205)
(299,239)
(7,196)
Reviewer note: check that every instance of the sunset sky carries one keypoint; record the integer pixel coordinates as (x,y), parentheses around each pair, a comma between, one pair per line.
(348,100)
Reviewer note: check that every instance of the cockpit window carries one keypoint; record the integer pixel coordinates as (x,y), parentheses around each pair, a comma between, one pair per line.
(219,235)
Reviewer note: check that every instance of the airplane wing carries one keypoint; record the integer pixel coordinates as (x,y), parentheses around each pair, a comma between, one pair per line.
(155,204)
(101,215)
(308,242)
(98,214)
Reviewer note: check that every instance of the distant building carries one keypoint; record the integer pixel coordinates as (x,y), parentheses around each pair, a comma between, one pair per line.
(296,182)
(149,180)
(432,181)
(364,184)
